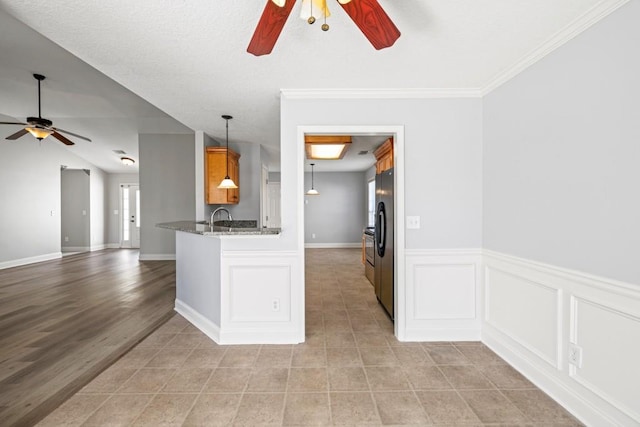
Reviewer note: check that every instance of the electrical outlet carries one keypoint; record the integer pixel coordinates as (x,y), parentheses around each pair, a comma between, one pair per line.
(52,213)
(275,305)
(313,235)
(575,355)
(66,238)
(413,222)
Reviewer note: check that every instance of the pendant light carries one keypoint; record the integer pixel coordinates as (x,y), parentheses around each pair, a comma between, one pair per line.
(227,183)
(312,191)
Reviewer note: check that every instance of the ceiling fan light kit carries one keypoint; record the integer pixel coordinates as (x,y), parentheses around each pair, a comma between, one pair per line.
(368,15)
(39,127)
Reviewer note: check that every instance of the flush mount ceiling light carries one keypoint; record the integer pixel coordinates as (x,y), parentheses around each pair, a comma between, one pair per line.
(326,147)
(227,183)
(127,161)
(368,15)
(312,191)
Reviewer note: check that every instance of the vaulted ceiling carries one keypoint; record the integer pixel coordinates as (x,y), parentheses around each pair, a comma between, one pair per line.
(188,59)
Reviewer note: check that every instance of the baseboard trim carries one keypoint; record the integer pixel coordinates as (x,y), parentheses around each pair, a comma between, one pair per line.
(75,249)
(113,245)
(157,257)
(442,334)
(205,325)
(30,260)
(332,245)
(584,410)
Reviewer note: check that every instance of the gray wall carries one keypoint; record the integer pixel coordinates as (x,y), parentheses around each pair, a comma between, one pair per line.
(167,189)
(113,204)
(337,214)
(562,155)
(443,161)
(274,176)
(30,191)
(75,209)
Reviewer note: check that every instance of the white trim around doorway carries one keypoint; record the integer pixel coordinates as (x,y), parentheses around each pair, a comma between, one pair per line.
(398,152)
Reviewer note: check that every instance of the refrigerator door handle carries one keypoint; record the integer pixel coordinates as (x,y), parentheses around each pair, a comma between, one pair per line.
(381,229)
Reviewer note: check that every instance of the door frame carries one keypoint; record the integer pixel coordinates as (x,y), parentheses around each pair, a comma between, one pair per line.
(398,196)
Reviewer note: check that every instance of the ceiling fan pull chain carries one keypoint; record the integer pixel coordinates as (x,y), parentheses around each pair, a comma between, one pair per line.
(312,18)
(325,26)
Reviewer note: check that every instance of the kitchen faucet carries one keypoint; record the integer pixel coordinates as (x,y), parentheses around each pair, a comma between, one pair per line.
(216,211)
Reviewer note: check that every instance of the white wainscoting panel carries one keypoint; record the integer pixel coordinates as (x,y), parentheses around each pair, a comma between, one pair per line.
(609,367)
(251,282)
(442,295)
(269,288)
(525,310)
(538,315)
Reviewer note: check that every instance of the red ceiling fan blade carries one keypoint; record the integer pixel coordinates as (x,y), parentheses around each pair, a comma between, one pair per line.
(373,21)
(269,27)
(21,132)
(62,138)
(71,133)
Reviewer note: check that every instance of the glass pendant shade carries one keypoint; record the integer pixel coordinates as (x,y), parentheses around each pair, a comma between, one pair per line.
(227,183)
(39,132)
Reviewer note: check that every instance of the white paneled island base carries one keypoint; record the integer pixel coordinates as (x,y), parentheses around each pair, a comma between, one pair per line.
(238,296)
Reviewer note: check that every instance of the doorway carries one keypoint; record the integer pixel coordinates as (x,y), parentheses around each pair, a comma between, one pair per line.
(130,216)
(75,231)
(399,238)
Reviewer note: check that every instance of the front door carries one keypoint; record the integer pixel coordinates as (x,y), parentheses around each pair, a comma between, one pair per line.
(130,218)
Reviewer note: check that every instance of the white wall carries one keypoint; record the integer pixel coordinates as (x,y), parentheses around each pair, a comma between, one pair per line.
(167,190)
(562,149)
(561,209)
(29,192)
(443,166)
(337,215)
(441,150)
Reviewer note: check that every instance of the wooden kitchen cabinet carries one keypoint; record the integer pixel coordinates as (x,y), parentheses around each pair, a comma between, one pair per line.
(215,170)
(384,156)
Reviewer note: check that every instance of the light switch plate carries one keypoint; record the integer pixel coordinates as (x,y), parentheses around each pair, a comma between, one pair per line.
(413,222)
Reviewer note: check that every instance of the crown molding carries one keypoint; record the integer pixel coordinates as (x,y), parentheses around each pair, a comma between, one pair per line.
(575,27)
(417,93)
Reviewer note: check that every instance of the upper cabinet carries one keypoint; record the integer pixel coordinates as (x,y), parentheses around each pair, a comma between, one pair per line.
(384,156)
(215,170)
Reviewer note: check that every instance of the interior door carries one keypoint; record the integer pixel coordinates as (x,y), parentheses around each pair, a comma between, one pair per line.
(130,218)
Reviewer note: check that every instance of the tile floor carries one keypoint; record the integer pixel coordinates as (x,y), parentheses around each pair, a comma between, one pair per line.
(350,371)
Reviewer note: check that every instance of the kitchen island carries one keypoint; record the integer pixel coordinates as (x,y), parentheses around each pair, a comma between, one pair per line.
(237,292)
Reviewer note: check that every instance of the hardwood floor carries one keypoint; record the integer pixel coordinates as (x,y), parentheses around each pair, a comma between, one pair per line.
(64,321)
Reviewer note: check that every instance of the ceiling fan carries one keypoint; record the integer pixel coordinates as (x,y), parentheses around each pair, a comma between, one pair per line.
(368,15)
(40,127)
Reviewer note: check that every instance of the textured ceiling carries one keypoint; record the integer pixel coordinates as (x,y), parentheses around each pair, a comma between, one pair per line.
(188,58)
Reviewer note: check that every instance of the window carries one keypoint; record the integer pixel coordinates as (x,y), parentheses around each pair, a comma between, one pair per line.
(371,203)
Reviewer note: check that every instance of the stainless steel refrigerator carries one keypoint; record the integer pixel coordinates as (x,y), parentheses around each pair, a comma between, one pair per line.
(384,277)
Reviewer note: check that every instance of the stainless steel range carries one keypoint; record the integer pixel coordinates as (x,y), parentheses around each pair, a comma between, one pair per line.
(370,254)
